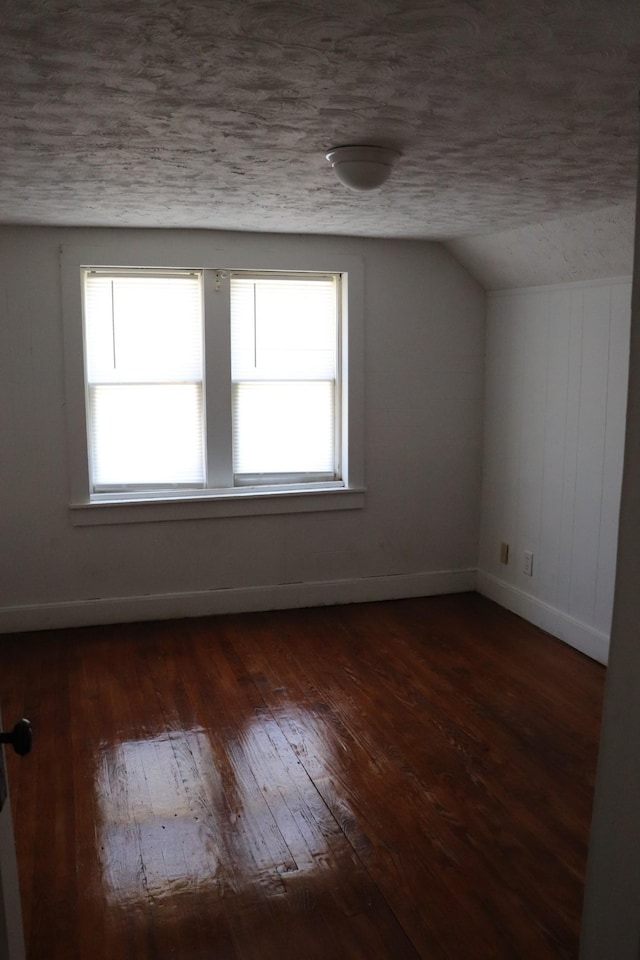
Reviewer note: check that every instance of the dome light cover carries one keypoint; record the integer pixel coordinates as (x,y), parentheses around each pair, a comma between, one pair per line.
(361,167)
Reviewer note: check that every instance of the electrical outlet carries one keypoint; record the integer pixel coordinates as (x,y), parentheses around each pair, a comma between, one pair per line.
(504,553)
(527,563)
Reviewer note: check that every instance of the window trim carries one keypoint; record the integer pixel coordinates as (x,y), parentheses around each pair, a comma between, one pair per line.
(191,253)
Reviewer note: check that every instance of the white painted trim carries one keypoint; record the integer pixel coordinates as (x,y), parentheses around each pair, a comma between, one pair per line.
(580,635)
(567,285)
(230,503)
(11,932)
(197,252)
(80,613)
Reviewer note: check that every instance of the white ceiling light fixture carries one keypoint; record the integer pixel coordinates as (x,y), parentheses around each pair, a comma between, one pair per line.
(361,167)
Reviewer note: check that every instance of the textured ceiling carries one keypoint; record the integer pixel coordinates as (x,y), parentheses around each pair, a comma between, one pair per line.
(586,246)
(217,113)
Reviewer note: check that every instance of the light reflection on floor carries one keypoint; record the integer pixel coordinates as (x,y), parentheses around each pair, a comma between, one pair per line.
(185,813)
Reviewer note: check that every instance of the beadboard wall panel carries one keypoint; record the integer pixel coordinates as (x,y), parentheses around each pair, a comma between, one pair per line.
(556,377)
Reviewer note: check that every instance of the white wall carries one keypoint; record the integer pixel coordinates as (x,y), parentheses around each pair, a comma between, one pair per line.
(610,917)
(418,533)
(556,378)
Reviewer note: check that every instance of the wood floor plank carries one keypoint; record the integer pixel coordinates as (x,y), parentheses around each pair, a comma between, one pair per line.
(396,781)
(338,775)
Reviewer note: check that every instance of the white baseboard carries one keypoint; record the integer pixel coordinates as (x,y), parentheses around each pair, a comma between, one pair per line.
(589,641)
(168,606)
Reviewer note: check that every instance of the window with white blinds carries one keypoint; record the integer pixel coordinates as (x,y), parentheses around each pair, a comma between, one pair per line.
(144,379)
(150,405)
(284,335)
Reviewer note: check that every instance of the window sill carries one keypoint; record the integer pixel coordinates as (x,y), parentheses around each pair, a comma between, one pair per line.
(235,503)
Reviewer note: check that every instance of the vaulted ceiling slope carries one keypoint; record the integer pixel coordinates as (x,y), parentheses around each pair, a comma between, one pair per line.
(586,246)
(217,113)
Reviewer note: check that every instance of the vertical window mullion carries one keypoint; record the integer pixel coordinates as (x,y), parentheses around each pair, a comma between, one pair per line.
(217,356)
(339,431)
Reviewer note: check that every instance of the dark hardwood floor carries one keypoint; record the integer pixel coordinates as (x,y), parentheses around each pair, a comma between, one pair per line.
(399,780)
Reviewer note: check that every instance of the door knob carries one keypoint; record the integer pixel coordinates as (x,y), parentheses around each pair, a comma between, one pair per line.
(20,738)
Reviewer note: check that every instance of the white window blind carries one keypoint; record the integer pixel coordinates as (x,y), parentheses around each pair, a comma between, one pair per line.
(144,375)
(284,358)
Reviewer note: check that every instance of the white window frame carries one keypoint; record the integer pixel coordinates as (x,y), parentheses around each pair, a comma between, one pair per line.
(193,254)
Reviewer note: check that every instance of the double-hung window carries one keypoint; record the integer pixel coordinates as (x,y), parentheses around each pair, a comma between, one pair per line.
(143,336)
(209,384)
(285,360)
